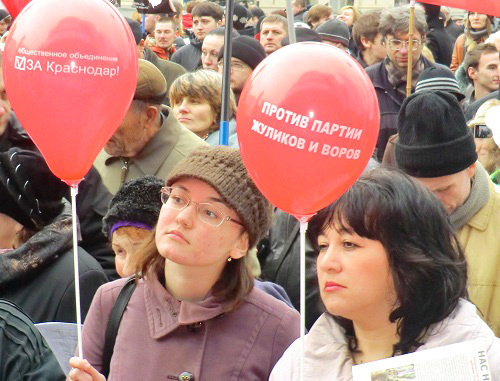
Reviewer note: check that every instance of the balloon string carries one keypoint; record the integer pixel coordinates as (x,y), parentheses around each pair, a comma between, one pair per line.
(303,229)
(74,192)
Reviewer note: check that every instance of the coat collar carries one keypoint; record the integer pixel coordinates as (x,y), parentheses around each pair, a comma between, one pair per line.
(165,313)
(154,153)
(481,219)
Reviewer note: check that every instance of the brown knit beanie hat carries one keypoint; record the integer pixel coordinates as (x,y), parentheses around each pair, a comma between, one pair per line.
(222,168)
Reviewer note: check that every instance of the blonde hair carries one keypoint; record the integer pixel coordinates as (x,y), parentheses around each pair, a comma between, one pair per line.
(205,85)
(355,12)
(492,160)
(470,43)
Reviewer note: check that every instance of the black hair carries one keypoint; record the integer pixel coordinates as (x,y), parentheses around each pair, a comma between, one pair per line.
(426,262)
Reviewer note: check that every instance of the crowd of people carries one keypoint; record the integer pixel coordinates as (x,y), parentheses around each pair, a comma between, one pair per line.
(187,272)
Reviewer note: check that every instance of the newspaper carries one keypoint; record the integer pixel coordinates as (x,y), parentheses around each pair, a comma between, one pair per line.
(62,339)
(464,361)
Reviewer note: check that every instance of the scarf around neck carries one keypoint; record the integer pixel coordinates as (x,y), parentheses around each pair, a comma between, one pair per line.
(397,77)
(479,195)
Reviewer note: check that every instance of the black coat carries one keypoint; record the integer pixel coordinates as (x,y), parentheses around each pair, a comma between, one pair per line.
(440,43)
(389,102)
(38,275)
(91,202)
(24,354)
(283,267)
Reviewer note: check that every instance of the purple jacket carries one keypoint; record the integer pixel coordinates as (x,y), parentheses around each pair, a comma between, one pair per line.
(160,338)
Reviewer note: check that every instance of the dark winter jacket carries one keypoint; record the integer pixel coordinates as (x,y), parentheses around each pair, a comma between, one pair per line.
(24,354)
(189,56)
(453,30)
(283,267)
(91,202)
(439,42)
(389,102)
(38,275)
(170,70)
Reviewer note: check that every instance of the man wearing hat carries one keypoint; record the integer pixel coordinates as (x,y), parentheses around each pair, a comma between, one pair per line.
(436,147)
(247,53)
(336,33)
(149,140)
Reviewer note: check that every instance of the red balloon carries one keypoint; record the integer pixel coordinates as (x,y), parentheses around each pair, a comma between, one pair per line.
(70,71)
(15,6)
(307,124)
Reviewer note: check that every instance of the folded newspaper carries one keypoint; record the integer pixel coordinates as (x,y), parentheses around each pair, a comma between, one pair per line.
(464,361)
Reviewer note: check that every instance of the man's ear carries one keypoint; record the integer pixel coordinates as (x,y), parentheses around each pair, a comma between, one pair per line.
(241,247)
(471,170)
(471,72)
(151,116)
(365,42)
(219,23)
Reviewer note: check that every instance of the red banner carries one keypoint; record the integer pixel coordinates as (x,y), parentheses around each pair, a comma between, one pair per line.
(489,7)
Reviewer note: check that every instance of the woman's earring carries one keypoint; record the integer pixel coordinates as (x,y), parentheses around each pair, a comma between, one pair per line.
(229,259)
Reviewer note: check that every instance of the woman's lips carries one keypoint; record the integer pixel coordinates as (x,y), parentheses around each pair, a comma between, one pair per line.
(332,286)
(177,236)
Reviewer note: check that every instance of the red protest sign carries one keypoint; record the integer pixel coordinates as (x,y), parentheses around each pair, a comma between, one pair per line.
(489,7)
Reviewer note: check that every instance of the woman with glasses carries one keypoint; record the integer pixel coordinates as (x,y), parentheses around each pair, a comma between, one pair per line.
(392,277)
(196,103)
(478,27)
(195,314)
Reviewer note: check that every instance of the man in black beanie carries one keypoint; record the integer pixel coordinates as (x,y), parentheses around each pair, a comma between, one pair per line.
(437,148)
(247,53)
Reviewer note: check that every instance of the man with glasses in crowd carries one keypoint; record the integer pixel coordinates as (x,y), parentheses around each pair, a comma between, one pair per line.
(389,76)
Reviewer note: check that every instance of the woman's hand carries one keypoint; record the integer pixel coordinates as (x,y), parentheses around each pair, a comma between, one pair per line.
(83,371)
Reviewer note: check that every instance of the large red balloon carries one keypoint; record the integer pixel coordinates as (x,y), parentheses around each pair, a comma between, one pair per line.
(15,6)
(70,71)
(307,124)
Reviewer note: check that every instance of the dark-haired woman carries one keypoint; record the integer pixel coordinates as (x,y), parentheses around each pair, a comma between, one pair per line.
(393,280)
(195,314)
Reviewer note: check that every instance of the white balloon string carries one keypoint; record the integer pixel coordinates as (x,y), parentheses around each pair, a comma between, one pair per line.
(74,192)
(303,229)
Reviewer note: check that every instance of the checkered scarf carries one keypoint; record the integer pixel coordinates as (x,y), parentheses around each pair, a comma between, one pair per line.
(397,77)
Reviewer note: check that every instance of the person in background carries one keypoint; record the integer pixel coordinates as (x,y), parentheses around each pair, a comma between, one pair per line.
(212,45)
(450,26)
(246,54)
(196,299)
(349,15)
(389,289)
(318,14)
(436,147)
(487,150)
(255,14)
(36,242)
(370,44)
(206,17)
(24,353)
(187,17)
(482,67)
(241,17)
(389,76)
(149,140)
(5,21)
(299,9)
(132,214)
(196,103)
(273,29)
(477,30)
(336,33)
(438,41)
(165,33)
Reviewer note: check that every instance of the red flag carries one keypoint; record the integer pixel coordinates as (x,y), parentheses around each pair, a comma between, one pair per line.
(489,7)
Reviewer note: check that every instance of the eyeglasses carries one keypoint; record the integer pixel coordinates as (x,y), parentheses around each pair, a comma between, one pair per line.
(234,65)
(174,198)
(398,44)
(482,131)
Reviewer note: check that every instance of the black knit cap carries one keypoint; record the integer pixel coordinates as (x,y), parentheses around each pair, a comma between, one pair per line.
(241,15)
(335,31)
(221,167)
(434,139)
(246,49)
(136,29)
(29,192)
(302,35)
(137,203)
